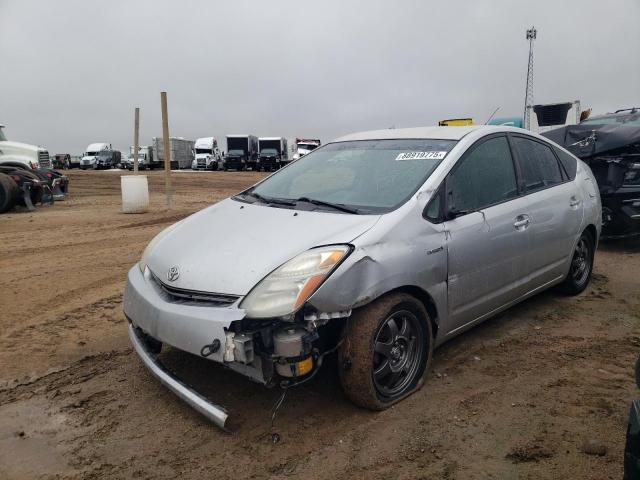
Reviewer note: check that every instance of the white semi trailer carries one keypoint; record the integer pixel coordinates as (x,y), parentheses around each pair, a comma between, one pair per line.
(182,151)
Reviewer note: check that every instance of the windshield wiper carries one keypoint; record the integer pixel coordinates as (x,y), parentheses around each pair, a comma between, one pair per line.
(269,200)
(335,206)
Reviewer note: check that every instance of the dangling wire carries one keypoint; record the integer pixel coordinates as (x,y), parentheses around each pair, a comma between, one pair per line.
(275,437)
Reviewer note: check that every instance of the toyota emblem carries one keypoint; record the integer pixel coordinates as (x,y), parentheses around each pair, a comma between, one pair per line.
(173,274)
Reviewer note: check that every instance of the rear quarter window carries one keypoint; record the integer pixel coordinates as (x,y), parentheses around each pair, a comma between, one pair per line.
(568,161)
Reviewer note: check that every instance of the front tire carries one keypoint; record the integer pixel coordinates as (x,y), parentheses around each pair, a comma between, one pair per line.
(386,351)
(581,267)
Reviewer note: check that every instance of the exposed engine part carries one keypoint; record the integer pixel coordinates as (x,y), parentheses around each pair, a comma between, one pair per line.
(294,357)
(243,348)
(229,347)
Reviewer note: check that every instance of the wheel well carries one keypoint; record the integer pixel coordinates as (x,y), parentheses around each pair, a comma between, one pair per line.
(426,300)
(591,229)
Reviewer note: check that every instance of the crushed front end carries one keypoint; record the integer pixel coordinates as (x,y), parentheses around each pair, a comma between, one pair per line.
(612,151)
(276,351)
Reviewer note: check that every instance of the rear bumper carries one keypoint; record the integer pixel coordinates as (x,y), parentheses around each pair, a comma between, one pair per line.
(211,411)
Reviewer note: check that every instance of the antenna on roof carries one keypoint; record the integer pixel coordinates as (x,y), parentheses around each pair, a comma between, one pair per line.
(491,116)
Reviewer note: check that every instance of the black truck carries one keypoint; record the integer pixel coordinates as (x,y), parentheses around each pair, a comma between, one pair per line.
(273,153)
(610,145)
(242,152)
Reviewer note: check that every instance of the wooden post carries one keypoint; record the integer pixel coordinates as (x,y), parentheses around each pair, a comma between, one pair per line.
(167,150)
(136,131)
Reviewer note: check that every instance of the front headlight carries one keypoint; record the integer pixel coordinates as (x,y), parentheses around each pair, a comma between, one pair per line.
(285,290)
(142,264)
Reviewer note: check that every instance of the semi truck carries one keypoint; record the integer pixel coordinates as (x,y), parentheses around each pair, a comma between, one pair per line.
(90,155)
(273,153)
(145,158)
(305,145)
(207,154)
(31,156)
(242,152)
(181,151)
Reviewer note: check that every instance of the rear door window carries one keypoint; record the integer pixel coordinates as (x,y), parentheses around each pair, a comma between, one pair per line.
(484,177)
(568,161)
(538,164)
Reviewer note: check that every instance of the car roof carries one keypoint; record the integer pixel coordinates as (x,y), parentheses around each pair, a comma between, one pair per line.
(436,133)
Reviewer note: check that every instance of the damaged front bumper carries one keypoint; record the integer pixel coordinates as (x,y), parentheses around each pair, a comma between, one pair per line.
(211,411)
(263,351)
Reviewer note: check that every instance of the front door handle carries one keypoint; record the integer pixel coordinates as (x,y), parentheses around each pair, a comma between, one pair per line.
(522,222)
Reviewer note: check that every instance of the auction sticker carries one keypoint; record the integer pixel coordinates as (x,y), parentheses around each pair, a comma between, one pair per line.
(421,156)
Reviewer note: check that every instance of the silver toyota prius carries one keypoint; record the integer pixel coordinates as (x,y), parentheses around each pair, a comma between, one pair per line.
(379,246)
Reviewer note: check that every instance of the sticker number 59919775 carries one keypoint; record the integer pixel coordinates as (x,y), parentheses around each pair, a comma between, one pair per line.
(421,156)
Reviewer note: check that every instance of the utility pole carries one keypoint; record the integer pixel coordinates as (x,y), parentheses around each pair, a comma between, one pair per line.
(528,97)
(167,150)
(136,130)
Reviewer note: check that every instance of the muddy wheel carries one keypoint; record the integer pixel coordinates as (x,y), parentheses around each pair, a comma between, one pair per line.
(386,352)
(581,266)
(8,192)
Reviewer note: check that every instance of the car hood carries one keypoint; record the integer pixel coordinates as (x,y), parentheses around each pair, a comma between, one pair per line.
(229,247)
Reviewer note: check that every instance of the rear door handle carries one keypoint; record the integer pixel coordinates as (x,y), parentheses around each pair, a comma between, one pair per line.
(522,222)
(574,201)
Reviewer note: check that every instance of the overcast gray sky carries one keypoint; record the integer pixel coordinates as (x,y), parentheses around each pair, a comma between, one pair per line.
(72,71)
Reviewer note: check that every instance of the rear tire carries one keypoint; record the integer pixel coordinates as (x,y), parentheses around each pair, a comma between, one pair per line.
(581,267)
(8,192)
(386,352)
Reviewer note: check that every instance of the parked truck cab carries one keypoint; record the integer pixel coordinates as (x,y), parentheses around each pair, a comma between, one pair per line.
(242,152)
(273,153)
(28,155)
(305,145)
(207,154)
(90,156)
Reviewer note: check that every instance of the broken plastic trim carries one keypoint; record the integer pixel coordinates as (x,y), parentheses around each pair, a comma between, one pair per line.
(211,411)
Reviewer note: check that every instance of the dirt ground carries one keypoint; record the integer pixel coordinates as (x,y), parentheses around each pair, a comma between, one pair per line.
(514,398)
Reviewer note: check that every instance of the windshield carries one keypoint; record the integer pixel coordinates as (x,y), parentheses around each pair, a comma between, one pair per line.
(236,152)
(203,151)
(104,154)
(629,119)
(2,137)
(268,151)
(373,176)
(91,154)
(306,147)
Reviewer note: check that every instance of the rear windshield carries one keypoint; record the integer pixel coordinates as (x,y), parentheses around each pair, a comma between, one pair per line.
(373,176)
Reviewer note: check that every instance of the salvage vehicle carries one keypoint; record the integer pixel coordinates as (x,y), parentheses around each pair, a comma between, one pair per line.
(610,145)
(379,245)
(107,159)
(632,445)
(61,160)
(31,189)
(9,192)
(55,184)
